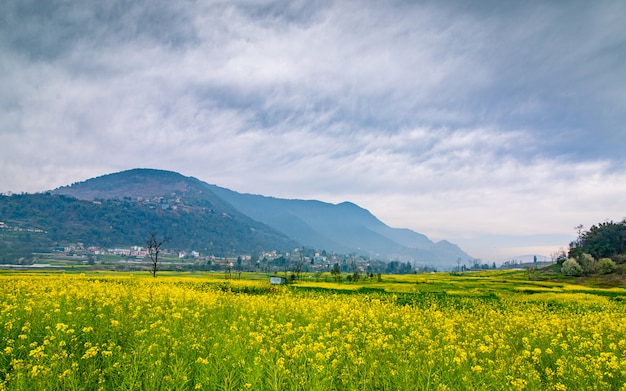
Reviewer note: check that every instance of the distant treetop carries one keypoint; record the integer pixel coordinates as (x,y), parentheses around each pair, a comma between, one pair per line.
(604,240)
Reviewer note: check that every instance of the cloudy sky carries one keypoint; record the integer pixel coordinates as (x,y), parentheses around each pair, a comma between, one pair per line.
(497,125)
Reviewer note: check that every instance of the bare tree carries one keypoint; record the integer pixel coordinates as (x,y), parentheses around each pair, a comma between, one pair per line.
(228,265)
(356,271)
(336,272)
(154,248)
(298,265)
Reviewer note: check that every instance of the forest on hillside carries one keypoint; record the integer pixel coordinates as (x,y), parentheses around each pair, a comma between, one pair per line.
(37,222)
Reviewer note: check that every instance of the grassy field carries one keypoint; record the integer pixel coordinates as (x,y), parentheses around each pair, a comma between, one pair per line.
(489,330)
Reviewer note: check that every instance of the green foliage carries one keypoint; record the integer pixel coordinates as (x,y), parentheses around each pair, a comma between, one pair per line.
(619,258)
(560,258)
(586,262)
(397,267)
(601,241)
(605,266)
(571,268)
(60,219)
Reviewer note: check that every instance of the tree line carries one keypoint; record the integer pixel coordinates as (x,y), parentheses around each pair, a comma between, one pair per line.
(596,250)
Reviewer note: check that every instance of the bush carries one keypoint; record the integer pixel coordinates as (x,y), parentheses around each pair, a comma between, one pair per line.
(606,266)
(561,258)
(571,268)
(587,262)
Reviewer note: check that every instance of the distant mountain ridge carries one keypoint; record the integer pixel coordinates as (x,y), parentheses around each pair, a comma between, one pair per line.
(342,228)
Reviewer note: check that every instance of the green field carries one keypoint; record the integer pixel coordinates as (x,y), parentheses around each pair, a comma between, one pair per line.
(493,330)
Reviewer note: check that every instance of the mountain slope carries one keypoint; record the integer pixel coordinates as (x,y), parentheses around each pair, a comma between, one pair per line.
(144,183)
(114,222)
(185,209)
(344,227)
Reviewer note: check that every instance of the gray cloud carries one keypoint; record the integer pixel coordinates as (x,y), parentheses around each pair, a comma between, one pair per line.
(455,119)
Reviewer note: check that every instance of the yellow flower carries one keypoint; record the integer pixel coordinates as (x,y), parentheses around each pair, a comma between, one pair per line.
(90,353)
(65,373)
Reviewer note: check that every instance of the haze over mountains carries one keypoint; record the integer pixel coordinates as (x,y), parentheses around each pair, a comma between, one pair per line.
(342,228)
(122,208)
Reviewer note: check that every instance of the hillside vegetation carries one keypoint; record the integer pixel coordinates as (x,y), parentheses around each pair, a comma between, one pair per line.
(601,250)
(341,228)
(37,222)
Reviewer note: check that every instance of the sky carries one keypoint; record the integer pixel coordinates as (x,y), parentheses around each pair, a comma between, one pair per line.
(499,126)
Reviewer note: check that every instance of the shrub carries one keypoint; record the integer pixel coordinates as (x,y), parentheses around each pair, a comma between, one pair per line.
(571,268)
(561,258)
(586,261)
(606,266)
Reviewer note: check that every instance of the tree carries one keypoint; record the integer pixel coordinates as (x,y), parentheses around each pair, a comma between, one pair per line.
(336,272)
(154,249)
(392,267)
(571,268)
(227,269)
(604,240)
(356,272)
(587,262)
(605,266)
(298,265)
(558,256)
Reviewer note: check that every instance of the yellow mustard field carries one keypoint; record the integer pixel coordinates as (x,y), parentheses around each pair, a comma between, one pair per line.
(131,332)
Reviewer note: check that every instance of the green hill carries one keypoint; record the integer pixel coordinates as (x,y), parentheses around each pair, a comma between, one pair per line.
(37,222)
(121,209)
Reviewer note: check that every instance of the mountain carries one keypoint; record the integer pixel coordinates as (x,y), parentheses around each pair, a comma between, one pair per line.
(143,184)
(36,222)
(344,227)
(122,208)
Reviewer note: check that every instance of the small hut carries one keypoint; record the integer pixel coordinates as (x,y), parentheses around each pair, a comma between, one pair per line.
(278,280)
